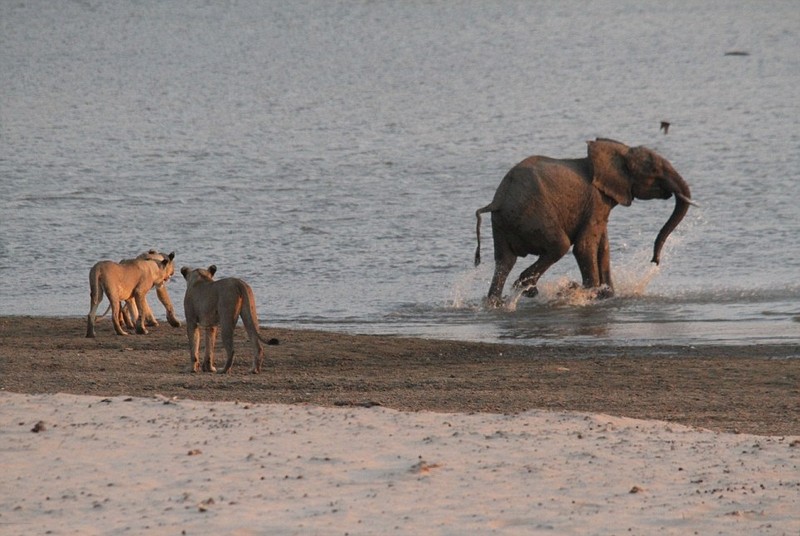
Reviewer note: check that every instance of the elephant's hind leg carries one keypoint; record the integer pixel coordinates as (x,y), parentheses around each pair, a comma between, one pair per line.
(530,276)
(502,267)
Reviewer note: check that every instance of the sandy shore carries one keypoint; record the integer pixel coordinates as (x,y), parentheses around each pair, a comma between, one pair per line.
(369,435)
(120,465)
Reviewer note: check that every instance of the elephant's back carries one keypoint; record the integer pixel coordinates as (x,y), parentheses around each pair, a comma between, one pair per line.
(529,205)
(539,182)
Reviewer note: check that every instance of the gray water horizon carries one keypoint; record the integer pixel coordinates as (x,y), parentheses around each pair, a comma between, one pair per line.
(333,154)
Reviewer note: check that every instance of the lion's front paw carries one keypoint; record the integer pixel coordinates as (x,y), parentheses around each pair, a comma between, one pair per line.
(174,322)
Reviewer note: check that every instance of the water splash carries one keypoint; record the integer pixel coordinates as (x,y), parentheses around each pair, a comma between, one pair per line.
(565,292)
(632,281)
(632,276)
(465,286)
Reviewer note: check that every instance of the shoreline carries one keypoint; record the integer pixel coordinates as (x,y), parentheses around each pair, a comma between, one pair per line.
(751,389)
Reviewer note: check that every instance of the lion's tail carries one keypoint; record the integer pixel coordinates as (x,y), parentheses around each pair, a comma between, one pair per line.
(250,316)
(95,288)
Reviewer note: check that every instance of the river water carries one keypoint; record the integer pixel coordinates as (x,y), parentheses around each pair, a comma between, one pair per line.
(333,153)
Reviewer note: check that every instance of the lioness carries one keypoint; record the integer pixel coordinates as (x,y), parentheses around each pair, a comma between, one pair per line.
(129,311)
(125,282)
(209,304)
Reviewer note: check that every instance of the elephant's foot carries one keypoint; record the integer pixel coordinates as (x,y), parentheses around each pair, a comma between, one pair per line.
(493,302)
(526,289)
(530,292)
(604,292)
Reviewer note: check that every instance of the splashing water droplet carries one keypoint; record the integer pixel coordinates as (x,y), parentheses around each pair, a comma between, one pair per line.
(463,287)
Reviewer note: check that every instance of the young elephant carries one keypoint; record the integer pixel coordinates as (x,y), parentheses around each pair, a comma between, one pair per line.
(209,304)
(544,206)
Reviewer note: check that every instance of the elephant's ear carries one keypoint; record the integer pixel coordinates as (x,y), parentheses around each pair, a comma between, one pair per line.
(610,174)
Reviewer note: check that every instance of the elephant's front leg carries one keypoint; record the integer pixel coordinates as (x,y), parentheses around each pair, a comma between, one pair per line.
(592,253)
(604,262)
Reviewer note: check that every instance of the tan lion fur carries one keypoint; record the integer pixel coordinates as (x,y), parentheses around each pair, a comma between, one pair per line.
(129,312)
(210,304)
(129,281)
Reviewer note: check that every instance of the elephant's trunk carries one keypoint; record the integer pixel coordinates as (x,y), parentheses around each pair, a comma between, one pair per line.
(683,198)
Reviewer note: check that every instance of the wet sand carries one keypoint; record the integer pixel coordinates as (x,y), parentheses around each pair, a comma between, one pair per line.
(751,389)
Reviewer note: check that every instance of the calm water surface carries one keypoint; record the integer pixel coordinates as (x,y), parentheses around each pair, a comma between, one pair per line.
(333,154)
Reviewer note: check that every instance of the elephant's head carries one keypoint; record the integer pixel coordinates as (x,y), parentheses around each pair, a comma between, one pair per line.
(624,173)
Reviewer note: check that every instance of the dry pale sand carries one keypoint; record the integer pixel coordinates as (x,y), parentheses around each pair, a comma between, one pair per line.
(374,435)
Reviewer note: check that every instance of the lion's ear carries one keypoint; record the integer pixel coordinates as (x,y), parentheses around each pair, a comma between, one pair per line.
(171,255)
(212,269)
(185,272)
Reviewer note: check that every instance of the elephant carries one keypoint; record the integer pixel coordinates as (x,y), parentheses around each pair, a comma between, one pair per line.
(545,205)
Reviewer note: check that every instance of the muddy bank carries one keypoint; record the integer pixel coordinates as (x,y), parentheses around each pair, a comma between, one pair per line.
(749,389)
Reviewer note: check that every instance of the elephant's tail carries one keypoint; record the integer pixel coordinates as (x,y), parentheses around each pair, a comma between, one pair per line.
(488,208)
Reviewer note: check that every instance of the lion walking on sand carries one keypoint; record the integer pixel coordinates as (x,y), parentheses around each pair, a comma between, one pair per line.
(211,304)
(129,281)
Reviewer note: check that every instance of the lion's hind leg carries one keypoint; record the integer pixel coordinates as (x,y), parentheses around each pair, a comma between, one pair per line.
(255,340)
(258,355)
(128,314)
(227,343)
(115,314)
(193,332)
(95,297)
(210,340)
